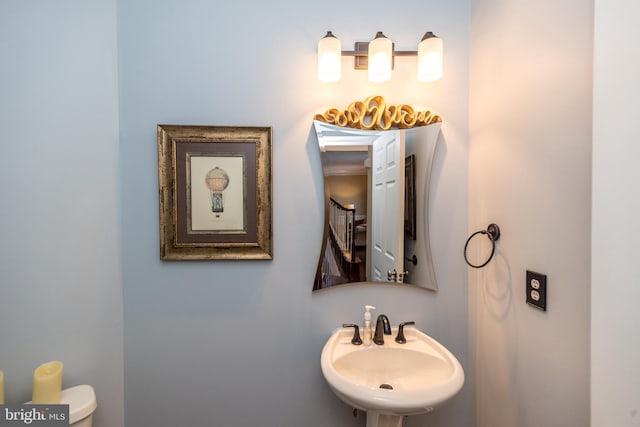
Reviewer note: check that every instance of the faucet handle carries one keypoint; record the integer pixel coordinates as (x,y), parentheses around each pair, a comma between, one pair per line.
(400,339)
(356,333)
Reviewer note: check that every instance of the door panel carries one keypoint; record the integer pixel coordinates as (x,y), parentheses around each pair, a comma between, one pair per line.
(387,206)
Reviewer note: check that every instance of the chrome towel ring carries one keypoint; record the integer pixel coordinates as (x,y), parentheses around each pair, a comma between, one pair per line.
(493,233)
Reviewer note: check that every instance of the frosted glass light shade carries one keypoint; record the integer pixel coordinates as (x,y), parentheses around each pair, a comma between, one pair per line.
(380,56)
(429,58)
(329,58)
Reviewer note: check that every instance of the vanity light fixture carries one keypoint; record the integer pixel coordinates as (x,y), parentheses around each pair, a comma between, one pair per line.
(377,57)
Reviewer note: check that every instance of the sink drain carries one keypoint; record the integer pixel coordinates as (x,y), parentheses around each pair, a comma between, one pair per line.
(386,386)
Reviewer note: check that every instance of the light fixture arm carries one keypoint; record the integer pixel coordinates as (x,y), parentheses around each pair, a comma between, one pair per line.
(358,53)
(361,52)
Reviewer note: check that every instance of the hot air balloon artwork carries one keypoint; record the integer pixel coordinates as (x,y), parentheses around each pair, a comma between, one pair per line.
(217,193)
(217,181)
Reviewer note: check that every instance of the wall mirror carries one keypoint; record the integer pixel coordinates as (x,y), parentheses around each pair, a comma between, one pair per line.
(376,184)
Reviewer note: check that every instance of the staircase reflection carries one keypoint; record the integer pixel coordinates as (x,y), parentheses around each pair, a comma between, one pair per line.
(344,258)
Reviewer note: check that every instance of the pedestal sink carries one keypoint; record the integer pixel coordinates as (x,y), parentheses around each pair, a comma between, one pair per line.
(391,380)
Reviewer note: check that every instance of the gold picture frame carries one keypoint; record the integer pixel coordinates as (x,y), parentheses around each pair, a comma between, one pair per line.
(215,192)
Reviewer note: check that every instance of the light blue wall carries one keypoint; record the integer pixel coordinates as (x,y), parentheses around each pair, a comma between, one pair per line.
(60,283)
(238,343)
(212,343)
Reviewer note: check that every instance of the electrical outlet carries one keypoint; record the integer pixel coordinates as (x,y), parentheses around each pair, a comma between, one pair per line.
(537,290)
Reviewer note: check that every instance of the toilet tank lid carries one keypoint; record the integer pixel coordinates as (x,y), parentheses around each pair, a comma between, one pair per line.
(81,400)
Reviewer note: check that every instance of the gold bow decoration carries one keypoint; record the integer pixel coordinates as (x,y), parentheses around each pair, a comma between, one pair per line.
(375,114)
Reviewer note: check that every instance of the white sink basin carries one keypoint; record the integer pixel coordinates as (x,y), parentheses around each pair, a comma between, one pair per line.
(391,379)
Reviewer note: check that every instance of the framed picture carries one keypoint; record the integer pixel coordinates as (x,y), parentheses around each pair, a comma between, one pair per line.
(215,192)
(410,197)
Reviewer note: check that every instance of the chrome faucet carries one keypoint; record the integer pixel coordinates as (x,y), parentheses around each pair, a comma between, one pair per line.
(382,328)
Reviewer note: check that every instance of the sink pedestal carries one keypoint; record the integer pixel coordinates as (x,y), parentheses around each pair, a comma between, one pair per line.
(376,419)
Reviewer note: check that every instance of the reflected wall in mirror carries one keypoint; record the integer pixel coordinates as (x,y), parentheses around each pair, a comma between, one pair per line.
(376,226)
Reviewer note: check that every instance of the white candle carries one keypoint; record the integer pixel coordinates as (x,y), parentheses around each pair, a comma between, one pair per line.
(47,383)
(1,388)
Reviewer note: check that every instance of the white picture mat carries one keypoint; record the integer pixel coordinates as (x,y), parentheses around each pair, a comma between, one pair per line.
(233,217)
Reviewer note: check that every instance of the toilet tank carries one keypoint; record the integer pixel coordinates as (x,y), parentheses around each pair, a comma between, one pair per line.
(82,403)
